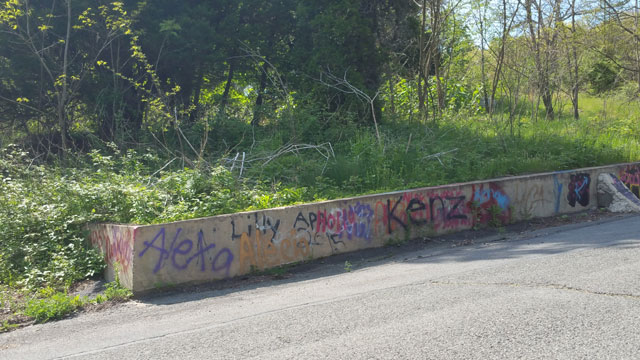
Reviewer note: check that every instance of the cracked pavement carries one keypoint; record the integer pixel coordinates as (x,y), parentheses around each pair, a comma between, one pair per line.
(568,292)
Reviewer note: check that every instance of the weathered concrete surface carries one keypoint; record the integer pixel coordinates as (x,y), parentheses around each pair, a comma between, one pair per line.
(615,196)
(115,242)
(229,245)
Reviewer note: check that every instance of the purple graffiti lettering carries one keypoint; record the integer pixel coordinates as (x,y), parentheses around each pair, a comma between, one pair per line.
(201,251)
(163,253)
(622,189)
(184,248)
(227,264)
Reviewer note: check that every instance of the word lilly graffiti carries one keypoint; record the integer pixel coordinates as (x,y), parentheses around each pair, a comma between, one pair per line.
(182,253)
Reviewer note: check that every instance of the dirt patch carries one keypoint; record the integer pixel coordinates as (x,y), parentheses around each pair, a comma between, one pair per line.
(89,288)
(12,303)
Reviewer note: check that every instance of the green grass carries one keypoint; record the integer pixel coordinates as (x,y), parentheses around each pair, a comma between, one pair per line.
(48,304)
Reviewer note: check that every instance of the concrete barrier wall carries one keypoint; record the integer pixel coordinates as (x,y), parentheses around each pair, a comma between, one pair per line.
(224,246)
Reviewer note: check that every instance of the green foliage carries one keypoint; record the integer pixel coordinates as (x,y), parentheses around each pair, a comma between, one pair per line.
(348,266)
(494,216)
(43,222)
(54,306)
(50,304)
(115,292)
(602,77)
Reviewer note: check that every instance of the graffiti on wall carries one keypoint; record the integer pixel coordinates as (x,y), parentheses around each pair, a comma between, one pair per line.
(349,222)
(180,253)
(491,204)
(260,252)
(260,240)
(630,177)
(440,210)
(624,190)
(116,245)
(557,192)
(578,189)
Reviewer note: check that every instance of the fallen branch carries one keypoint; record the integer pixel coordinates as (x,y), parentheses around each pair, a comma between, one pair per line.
(325,150)
(437,155)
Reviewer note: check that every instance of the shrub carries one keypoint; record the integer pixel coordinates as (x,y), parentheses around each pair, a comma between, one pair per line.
(54,307)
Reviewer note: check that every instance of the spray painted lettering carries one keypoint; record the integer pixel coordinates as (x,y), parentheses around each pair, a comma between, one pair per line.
(181,253)
(440,210)
(349,222)
(624,190)
(260,252)
(491,204)
(116,244)
(578,189)
(557,192)
(630,176)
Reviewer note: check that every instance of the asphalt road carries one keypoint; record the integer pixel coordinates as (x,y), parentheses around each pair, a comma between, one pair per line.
(570,292)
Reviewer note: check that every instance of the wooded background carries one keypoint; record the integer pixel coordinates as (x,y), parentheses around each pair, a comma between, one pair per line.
(74,73)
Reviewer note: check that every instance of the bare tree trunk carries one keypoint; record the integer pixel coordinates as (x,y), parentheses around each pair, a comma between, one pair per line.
(547,100)
(482,63)
(542,71)
(227,86)
(435,52)
(637,43)
(62,97)
(506,28)
(259,100)
(195,114)
(576,75)
(392,94)
(422,71)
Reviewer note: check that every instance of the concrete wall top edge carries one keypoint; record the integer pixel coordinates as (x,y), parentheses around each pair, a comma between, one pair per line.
(369,196)
(116,225)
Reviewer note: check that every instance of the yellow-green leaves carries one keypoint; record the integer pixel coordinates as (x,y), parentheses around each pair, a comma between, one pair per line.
(10,12)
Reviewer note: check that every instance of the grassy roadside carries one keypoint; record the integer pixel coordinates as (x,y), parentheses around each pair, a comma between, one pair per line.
(44,206)
(21,306)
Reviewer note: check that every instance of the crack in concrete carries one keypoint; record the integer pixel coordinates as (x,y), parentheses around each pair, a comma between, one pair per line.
(538,286)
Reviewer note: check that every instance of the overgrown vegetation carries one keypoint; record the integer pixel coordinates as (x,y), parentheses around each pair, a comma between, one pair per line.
(48,303)
(148,112)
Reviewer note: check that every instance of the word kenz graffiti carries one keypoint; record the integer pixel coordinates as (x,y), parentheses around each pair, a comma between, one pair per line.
(181,253)
(441,210)
(630,177)
(578,189)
